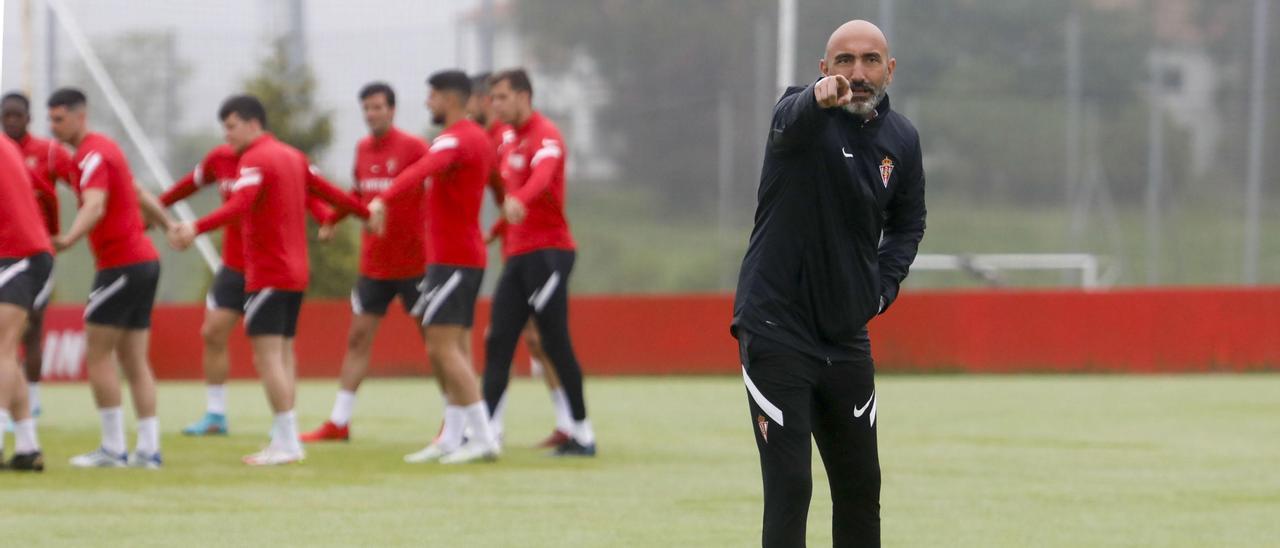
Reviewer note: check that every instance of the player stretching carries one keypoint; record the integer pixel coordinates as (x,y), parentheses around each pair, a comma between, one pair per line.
(391,264)
(539,255)
(224,304)
(26,262)
(456,166)
(48,162)
(269,201)
(118,316)
(501,137)
(225,300)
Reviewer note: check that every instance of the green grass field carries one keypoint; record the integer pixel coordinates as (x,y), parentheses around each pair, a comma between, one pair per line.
(967,461)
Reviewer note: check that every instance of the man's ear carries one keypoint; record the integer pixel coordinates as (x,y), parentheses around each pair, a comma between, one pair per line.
(822,67)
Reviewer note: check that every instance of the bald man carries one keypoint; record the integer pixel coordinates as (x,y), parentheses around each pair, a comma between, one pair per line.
(840,216)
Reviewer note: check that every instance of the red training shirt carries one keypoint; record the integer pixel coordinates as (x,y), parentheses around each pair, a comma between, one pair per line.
(269,199)
(48,162)
(533,172)
(401,252)
(21,232)
(219,167)
(119,238)
(458,164)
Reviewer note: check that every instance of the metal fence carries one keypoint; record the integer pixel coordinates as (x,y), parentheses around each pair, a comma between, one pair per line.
(1137,133)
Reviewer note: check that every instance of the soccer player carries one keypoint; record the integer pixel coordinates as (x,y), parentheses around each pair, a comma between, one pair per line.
(26,262)
(539,252)
(391,264)
(501,137)
(224,304)
(269,200)
(842,175)
(456,167)
(118,315)
(49,162)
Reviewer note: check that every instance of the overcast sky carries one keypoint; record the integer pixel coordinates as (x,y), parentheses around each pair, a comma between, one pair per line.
(350,43)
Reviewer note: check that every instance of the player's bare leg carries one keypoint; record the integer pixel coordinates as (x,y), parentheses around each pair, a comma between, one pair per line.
(216,333)
(100,347)
(13,391)
(447,349)
(33,358)
(271,357)
(355,366)
(453,424)
(132,351)
(448,345)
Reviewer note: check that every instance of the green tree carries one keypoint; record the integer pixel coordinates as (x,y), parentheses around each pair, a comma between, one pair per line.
(294,117)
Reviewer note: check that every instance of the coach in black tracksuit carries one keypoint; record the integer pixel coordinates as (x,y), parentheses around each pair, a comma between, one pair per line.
(840,216)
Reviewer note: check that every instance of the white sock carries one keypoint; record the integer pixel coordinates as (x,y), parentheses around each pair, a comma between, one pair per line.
(343,406)
(583,433)
(148,436)
(285,432)
(4,419)
(24,435)
(112,430)
(215,397)
(454,423)
(478,420)
(33,395)
(564,416)
(535,367)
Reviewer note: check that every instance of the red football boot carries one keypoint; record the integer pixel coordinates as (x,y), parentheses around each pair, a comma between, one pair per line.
(328,432)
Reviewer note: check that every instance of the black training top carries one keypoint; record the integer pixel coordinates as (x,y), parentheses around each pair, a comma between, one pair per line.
(841,213)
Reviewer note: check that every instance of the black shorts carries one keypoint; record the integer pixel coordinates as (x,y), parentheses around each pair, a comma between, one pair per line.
(27,282)
(123,296)
(373,296)
(272,312)
(450,295)
(227,291)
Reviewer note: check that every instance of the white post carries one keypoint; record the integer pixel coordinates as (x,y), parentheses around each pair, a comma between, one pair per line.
(28,85)
(886,20)
(1155,169)
(786,44)
(1,38)
(1073,189)
(724,123)
(1257,127)
(131,127)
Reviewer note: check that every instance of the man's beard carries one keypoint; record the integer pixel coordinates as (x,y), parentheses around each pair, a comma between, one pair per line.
(864,108)
(437,119)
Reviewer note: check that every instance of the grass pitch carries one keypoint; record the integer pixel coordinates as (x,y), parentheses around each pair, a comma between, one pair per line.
(967,461)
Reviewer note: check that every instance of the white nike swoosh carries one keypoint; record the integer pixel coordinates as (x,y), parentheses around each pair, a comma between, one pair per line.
(846,154)
(858,411)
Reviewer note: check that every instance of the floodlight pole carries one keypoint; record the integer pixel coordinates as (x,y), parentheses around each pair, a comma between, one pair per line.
(786,44)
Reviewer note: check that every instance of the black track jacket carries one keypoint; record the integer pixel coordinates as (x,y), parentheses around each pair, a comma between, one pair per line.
(817,266)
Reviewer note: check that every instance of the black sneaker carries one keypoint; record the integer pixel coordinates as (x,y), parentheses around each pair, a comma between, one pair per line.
(572,448)
(27,462)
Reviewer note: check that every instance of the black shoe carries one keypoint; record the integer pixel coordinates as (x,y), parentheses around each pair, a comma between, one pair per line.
(27,462)
(572,448)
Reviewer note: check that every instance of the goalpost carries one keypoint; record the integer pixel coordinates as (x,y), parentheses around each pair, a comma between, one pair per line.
(988,265)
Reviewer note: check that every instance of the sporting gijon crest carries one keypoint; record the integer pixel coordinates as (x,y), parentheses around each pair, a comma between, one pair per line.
(886,170)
